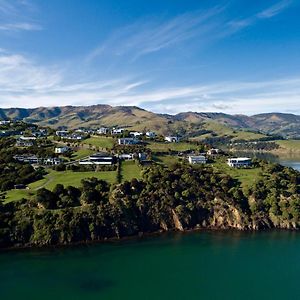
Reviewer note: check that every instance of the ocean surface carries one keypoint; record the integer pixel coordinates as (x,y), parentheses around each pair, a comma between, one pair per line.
(195,265)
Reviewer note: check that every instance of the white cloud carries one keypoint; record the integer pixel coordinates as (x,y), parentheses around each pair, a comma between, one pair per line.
(152,35)
(149,36)
(20,27)
(17,16)
(24,83)
(274,9)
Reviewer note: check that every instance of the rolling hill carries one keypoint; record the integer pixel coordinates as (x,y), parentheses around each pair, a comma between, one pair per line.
(193,123)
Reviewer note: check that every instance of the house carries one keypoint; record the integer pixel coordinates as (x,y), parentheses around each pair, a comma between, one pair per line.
(150,134)
(52,161)
(142,156)
(127,141)
(197,159)
(20,186)
(239,162)
(62,133)
(172,139)
(31,159)
(5,122)
(21,143)
(61,149)
(117,131)
(103,130)
(27,138)
(213,151)
(135,134)
(74,136)
(125,156)
(100,158)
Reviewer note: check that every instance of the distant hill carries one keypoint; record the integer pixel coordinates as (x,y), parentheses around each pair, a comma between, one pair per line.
(192,123)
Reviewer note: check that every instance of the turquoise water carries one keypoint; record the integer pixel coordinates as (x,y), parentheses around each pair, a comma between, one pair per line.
(199,265)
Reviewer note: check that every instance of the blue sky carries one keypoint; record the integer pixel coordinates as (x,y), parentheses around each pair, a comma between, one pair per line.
(167,56)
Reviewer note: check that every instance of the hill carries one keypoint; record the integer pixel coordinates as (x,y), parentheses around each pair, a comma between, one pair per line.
(192,123)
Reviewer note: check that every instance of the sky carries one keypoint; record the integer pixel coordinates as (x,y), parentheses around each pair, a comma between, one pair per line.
(170,56)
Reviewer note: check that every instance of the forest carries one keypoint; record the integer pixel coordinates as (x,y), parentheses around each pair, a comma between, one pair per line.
(181,197)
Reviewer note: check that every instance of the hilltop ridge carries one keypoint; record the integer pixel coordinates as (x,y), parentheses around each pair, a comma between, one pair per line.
(286,125)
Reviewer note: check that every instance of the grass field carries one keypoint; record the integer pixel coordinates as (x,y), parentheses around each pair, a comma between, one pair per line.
(82,153)
(223,130)
(290,145)
(247,177)
(164,147)
(100,141)
(66,178)
(166,160)
(130,170)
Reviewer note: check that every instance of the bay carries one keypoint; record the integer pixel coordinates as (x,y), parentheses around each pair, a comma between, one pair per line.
(196,265)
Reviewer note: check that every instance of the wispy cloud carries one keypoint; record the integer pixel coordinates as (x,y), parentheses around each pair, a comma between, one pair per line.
(270,12)
(20,27)
(274,9)
(150,36)
(16,16)
(27,84)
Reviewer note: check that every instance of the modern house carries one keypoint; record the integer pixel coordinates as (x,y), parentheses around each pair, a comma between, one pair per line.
(239,162)
(31,159)
(142,156)
(126,156)
(27,138)
(62,133)
(22,143)
(103,130)
(52,161)
(136,134)
(61,150)
(127,141)
(5,122)
(117,131)
(197,159)
(100,158)
(150,134)
(172,139)
(213,151)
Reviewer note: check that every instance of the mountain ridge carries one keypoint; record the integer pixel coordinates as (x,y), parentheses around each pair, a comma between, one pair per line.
(284,124)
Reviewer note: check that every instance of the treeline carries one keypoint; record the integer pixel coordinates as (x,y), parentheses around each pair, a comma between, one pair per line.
(179,198)
(256,146)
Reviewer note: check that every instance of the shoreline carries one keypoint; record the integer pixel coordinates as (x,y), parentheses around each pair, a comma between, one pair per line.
(138,237)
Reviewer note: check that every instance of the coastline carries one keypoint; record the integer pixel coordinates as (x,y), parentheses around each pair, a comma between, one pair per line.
(141,236)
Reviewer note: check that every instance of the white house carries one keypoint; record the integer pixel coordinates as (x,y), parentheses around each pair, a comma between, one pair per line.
(239,162)
(101,158)
(4,122)
(117,131)
(136,134)
(62,133)
(102,130)
(172,139)
(52,161)
(127,141)
(197,159)
(61,150)
(126,156)
(150,134)
(22,143)
(27,138)
(213,151)
(27,158)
